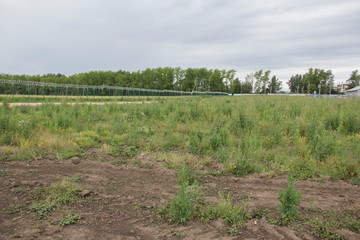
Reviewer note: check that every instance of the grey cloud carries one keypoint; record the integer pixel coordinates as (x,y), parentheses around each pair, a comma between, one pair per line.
(76,36)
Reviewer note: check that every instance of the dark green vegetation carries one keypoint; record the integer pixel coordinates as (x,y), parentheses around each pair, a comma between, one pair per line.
(310,81)
(301,137)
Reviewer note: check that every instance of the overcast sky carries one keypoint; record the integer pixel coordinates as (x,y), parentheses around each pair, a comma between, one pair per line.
(286,37)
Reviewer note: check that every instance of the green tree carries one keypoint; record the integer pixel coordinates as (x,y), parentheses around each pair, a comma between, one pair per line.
(316,78)
(262,81)
(275,85)
(354,79)
(297,84)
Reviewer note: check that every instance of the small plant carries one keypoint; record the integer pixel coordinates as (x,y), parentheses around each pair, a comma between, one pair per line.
(42,209)
(183,205)
(120,162)
(76,178)
(61,193)
(131,151)
(181,208)
(290,199)
(69,219)
(232,214)
(195,139)
(233,232)
(218,136)
(241,167)
(178,234)
(15,208)
(186,176)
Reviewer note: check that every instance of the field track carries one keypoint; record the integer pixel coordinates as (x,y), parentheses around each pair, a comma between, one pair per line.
(74,103)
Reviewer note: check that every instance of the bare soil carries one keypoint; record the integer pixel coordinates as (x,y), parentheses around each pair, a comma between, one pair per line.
(121,201)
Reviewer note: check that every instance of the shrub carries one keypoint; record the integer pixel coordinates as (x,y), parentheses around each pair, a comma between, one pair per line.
(195,139)
(232,214)
(218,136)
(181,208)
(241,167)
(290,199)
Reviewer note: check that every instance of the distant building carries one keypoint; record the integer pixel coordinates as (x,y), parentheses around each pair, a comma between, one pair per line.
(342,87)
(354,92)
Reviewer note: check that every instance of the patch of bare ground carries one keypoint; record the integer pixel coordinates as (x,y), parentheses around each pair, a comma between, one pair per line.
(121,198)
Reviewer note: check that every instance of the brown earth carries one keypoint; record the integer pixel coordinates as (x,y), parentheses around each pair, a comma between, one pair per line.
(120,201)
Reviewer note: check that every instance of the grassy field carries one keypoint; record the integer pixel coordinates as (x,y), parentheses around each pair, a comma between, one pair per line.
(237,150)
(70,98)
(302,137)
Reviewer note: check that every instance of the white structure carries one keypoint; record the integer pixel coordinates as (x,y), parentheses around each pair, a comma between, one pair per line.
(354,92)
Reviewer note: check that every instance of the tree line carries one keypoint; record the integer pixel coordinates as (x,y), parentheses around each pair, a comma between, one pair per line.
(198,79)
(167,78)
(319,80)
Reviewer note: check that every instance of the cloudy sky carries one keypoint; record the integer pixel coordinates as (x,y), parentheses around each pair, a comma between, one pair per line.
(286,37)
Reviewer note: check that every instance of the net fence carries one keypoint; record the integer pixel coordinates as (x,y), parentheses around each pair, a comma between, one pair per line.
(30,88)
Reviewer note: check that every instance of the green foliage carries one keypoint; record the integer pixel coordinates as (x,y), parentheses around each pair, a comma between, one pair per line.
(131,151)
(69,219)
(218,136)
(247,134)
(241,167)
(195,139)
(290,199)
(232,214)
(42,209)
(181,208)
(63,192)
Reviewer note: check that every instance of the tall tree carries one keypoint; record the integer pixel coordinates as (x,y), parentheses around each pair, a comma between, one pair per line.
(275,84)
(249,79)
(296,83)
(317,79)
(262,81)
(354,79)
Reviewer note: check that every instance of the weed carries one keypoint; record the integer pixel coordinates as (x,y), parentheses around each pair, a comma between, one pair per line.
(42,209)
(181,208)
(131,151)
(69,219)
(76,178)
(178,234)
(233,232)
(215,173)
(120,162)
(60,193)
(195,139)
(232,214)
(241,167)
(290,199)
(15,208)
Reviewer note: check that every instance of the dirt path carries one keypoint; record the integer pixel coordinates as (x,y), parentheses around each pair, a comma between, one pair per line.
(123,198)
(73,103)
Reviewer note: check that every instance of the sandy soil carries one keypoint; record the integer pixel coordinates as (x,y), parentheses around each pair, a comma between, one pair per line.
(122,200)
(73,103)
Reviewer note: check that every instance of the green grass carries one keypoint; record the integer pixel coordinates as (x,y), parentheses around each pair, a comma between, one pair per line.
(64,192)
(273,135)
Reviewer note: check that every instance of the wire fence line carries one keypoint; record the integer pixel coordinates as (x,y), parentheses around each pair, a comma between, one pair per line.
(21,87)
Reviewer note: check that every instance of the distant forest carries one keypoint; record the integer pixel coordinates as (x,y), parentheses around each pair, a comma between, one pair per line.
(197,79)
(191,79)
